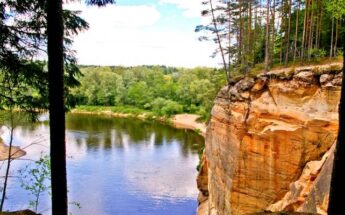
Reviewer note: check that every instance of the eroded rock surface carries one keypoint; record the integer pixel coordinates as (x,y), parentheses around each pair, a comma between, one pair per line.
(264,133)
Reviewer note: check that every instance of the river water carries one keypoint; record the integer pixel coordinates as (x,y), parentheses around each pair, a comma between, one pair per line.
(115,166)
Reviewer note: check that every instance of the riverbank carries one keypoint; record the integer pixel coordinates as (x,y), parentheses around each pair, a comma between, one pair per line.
(180,121)
(189,121)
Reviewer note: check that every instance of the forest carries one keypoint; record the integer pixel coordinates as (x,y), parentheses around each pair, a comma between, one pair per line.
(265,34)
(159,89)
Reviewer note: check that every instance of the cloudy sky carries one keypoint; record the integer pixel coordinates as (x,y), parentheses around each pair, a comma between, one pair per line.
(143,32)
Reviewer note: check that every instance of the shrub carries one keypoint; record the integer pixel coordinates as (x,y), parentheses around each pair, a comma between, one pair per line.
(168,107)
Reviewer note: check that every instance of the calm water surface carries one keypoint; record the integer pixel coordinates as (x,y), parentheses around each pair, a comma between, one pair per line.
(116,166)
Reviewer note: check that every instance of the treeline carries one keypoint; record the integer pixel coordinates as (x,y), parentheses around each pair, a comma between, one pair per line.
(162,90)
(270,32)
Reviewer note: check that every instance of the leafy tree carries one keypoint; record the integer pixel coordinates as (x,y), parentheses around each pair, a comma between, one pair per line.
(138,94)
(193,89)
(35,179)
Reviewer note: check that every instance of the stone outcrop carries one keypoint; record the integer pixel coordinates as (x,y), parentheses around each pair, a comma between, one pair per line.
(311,191)
(266,143)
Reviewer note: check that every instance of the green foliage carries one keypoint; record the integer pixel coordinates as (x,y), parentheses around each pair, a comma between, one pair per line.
(166,107)
(36,180)
(336,8)
(161,90)
(252,34)
(24,81)
(318,53)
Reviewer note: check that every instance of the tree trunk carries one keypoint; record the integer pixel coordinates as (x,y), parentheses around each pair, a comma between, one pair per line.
(331,49)
(288,34)
(9,159)
(267,35)
(226,71)
(55,30)
(305,21)
(320,24)
(273,30)
(311,27)
(337,190)
(336,37)
(229,41)
(250,41)
(254,34)
(240,41)
(296,32)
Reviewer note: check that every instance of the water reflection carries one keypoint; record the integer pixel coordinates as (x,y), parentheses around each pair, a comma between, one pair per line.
(119,166)
(108,132)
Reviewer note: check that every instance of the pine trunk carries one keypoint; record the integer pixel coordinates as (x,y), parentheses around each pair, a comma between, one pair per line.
(305,21)
(240,42)
(273,29)
(267,35)
(311,26)
(320,25)
(336,37)
(55,30)
(296,32)
(288,35)
(331,49)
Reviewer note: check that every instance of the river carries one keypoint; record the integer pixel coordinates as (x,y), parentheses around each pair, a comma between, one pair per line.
(115,166)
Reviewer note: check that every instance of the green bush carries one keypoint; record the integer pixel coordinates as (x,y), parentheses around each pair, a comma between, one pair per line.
(162,106)
(318,53)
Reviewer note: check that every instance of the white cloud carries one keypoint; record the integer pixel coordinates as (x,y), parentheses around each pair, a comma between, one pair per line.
(191,8)
(118,16)
(130,35)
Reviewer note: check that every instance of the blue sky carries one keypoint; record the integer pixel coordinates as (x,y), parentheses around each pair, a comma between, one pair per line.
(137,32)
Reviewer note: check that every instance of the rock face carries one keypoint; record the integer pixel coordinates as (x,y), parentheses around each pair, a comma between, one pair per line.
(266,133)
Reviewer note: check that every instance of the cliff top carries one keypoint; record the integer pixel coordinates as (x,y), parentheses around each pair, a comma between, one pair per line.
(326,76)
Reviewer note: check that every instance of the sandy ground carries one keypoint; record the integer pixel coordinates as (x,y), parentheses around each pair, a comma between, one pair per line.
(188,121)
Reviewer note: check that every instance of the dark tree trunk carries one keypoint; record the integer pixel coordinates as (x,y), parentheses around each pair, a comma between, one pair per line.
(267,35)
(56,107)
(337,190)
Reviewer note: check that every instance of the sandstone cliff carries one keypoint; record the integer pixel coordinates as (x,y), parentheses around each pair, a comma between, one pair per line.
(267,140)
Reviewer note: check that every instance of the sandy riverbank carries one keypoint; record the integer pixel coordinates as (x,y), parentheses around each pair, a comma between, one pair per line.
(189,121)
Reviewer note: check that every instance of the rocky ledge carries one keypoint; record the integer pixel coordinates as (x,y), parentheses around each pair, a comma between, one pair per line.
(268,143)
